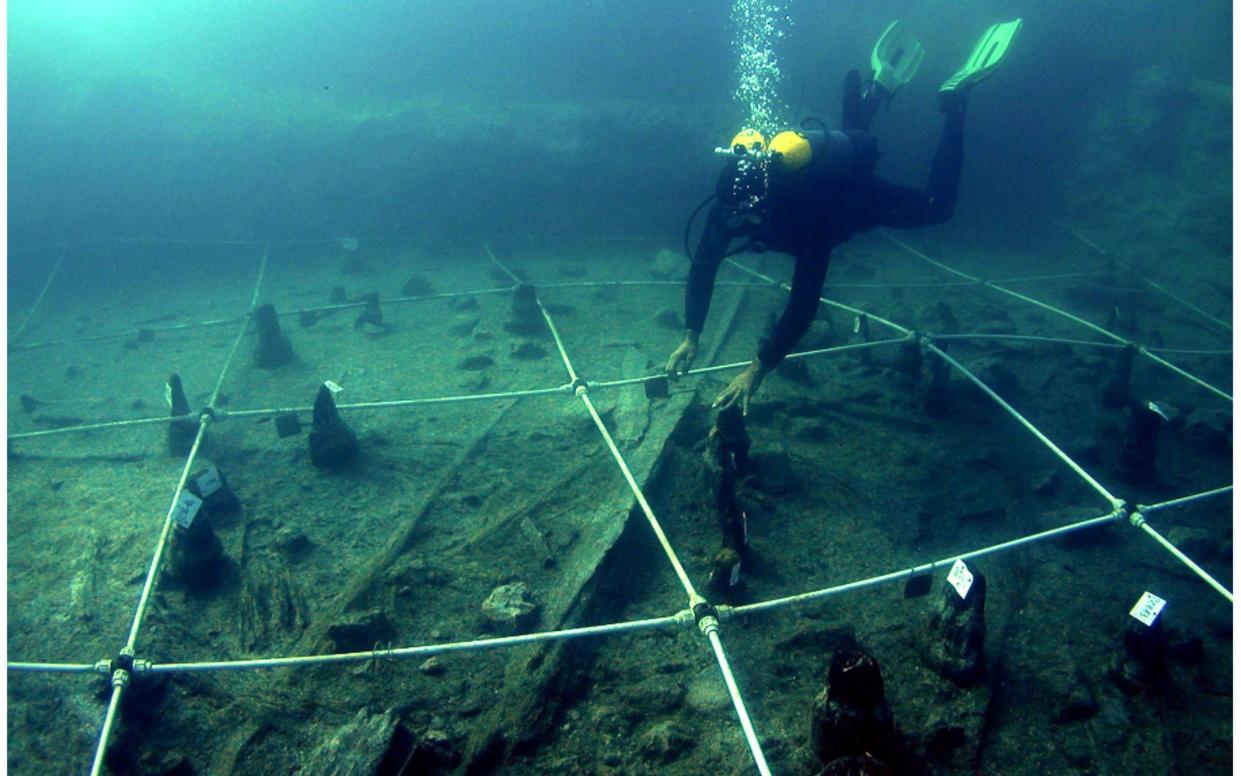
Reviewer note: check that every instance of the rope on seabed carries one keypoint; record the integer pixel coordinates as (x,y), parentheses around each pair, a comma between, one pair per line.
(1063,313)
(39,299)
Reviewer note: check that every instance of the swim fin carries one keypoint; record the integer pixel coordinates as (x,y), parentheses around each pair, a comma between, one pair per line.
(895,57)
(985,57)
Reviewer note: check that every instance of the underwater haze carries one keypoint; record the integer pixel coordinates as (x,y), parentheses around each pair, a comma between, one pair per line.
(270,120)
(346,433)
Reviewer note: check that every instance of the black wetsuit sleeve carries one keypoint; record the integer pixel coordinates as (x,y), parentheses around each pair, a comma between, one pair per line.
(903,207)
(809,272)
(706,263)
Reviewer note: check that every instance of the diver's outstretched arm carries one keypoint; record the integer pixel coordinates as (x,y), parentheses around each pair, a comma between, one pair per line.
(706,263)
(712,249)
(809,274)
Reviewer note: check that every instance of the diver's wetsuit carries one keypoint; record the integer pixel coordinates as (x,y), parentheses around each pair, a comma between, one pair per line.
(808,216)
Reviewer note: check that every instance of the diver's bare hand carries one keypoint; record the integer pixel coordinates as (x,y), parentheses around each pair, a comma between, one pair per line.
(743,386)
(683,357)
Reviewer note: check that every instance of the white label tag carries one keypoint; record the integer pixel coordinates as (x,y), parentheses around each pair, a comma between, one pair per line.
(857,324)
(185,510)
(745,529)
(168,394)
(735,575)
(349,243)
(960,578)
(209,482)
(1147,609)
(333,387)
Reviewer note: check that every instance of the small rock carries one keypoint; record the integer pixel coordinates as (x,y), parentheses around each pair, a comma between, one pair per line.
(463,325)
(669,265)
(362,632)
(354,749)
(1076,748)
(820,335)
(435,752)
(1077,700)
(665,741)
(527,351)
(509,608)
(706,692)
(1209,430)
(476,363)
(1111,725)
(997,376)
(983,515)
(669,318)
(417,285)
(1186,648)
(1044,481)
(432,667)
(1196,543)
(774,471)
(292,542)
(943,739)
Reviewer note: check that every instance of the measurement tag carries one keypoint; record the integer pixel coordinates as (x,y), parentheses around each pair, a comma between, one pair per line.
(185,510)
(333,387)
(857,324)
(960,578)
(349,243)
(1147,609)
(734,576)
(209,482)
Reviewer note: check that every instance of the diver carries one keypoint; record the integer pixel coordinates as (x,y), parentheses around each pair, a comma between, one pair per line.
(809,190)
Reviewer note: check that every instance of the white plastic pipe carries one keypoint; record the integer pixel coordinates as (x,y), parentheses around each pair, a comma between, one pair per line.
(611,629)
(1139,521)
(925,568)
(747,727)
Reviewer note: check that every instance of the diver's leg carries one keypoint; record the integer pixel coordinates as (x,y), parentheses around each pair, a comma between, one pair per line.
(861,102)
(946,166)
